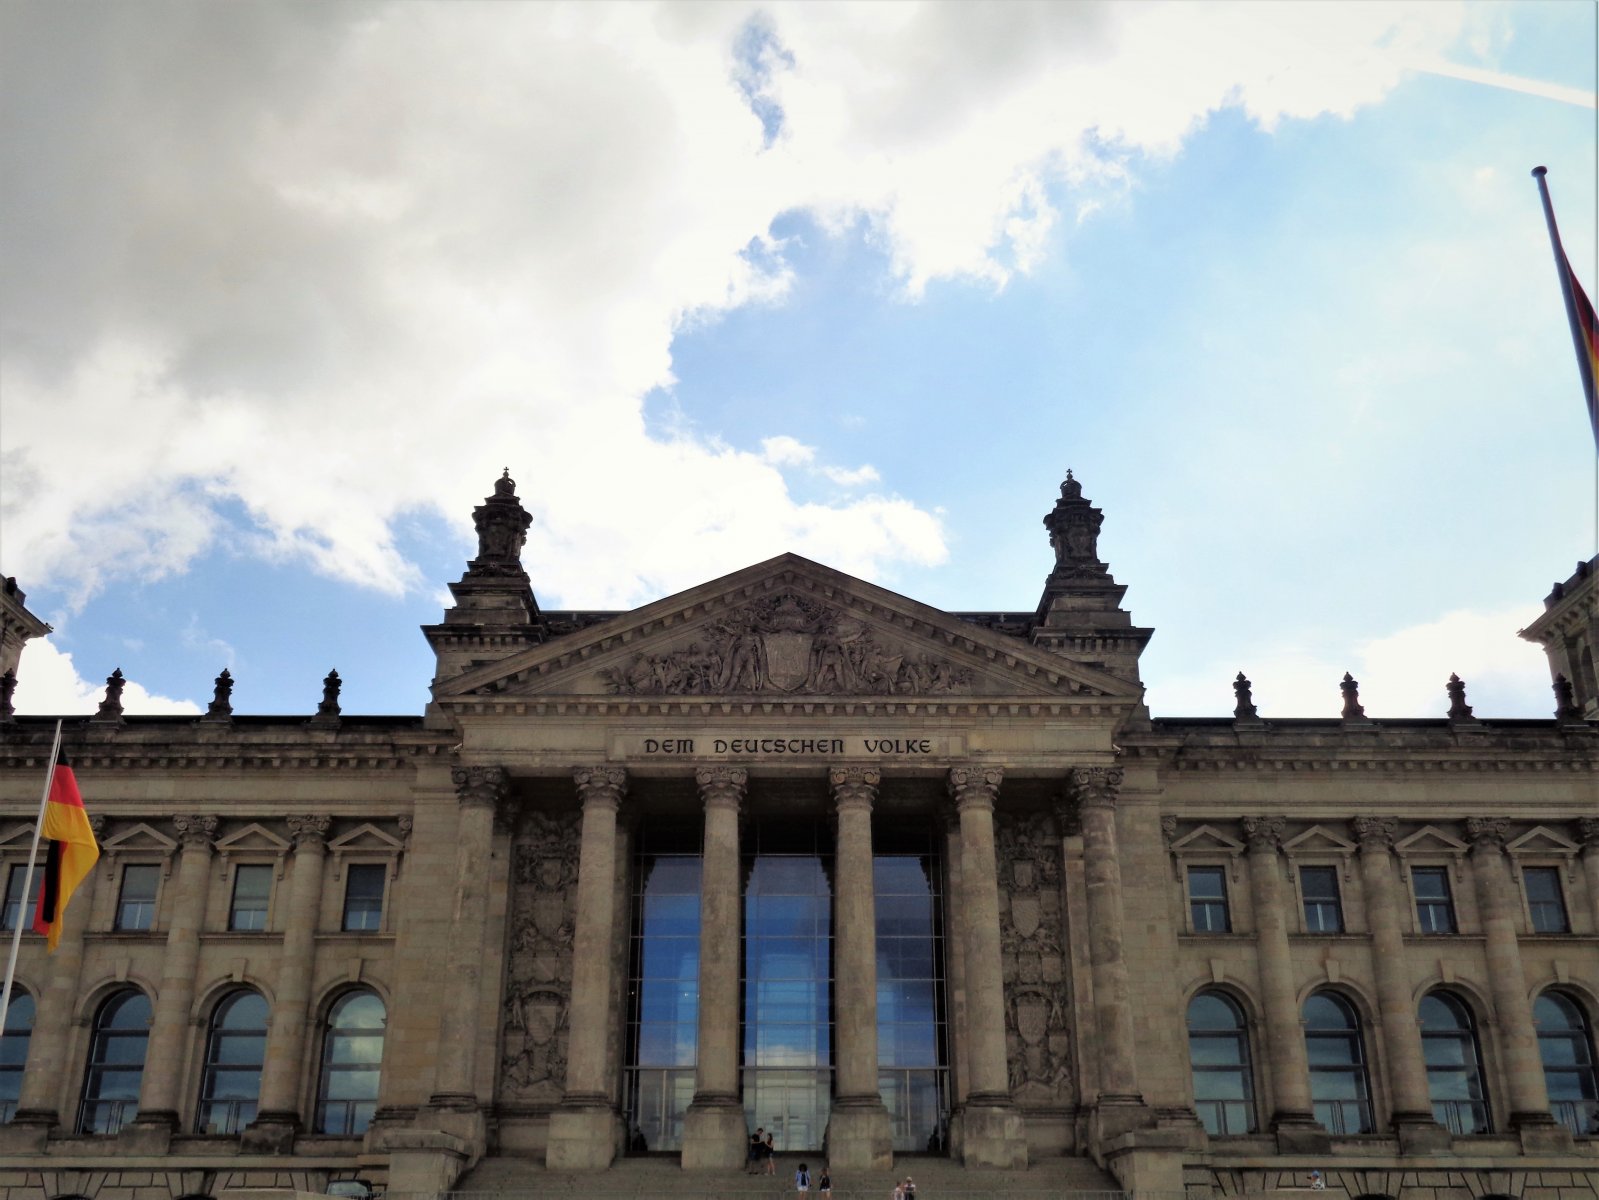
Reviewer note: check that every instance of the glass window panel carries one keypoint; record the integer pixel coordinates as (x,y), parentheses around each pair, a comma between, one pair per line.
(1330,1051)
(1560,1051)
(232,1048)
(12,912)
(1207,883)
(671,958)
(1210,1011)
(136,902)
(672,915)
(363,897)
(1215,1051)
(1220,1085)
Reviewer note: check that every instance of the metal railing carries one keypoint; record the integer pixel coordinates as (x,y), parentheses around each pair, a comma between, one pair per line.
(106,1116)
(1226,1118)
(345,1118)
(1462,1117)
(1344,1116)
(225,1116)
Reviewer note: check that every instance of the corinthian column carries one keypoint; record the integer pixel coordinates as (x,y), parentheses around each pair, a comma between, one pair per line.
(169,1027)
(858,1135)
(1588,831)
(991,1129)
(1518,1039)
(713,1128)
(278,1119)
(1292,1119)
(1418,1131)
(479,790)
(1093,790)
(585,1130)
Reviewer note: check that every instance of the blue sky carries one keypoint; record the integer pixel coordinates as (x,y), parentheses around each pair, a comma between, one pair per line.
(856,281)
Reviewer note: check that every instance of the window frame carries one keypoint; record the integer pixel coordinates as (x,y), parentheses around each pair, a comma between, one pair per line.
(347,870)
(159,869)
(233,897)
(324,1065)
(1244,1036)
(210,1065)
(1443,872)
(16,871)
(1582,1035)
(1359,1068)
(1472,1035)
(1222,870)
(19,993)
(91,1066)
(1529,911)
(1334,871)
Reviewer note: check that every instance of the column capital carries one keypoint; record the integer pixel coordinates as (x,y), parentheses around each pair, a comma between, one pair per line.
(479,787)
(975,787)
(1094,787)
(854,787)
(1588,833)
(1487,834)
(195,830)
(1264,834)
(1376,835)
(600,786)
(722,787)
(309,830)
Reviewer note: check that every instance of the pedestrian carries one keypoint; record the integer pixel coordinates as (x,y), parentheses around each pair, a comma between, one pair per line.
(757,1149)
(899,1190)
(771,1153)
(1317,1183)
(802,1179)
(824,1185)
(910,1188)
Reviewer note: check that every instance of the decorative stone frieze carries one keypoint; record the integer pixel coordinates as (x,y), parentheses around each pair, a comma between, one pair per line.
(479,787)
(544,869)
(1033,959)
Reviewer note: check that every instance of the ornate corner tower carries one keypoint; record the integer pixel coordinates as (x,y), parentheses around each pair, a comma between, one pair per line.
(1568,631)
(495,612)
(1080,615)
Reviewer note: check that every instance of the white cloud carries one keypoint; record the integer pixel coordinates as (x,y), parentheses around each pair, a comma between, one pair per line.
(1401,674)
(852,476)
(358,258)
(784,451)
(49,685)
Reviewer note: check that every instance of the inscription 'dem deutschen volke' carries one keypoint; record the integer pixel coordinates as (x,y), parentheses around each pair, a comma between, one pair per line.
(786,746)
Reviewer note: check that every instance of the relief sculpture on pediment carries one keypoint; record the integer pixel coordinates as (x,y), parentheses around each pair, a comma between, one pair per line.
(539,979)
(1033,957)
(791,644)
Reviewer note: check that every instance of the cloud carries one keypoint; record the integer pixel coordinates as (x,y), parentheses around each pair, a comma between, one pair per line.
(1401,674)
(356,258)
(51,686)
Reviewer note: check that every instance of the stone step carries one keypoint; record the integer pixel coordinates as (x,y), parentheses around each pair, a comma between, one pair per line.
(936,1179)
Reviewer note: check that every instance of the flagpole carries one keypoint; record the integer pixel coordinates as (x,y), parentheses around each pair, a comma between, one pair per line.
(27,882)
(1563,269)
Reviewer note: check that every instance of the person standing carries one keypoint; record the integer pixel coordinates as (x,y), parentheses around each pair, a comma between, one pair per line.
(824,1185)
(771,1153)
(802,1180)
(757,1149)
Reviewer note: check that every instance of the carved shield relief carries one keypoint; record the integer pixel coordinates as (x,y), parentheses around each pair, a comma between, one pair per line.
(539,975)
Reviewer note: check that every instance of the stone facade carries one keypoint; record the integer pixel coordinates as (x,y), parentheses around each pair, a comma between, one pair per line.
(441,916)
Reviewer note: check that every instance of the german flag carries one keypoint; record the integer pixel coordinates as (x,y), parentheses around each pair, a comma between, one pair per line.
(72,854)
(1579,310)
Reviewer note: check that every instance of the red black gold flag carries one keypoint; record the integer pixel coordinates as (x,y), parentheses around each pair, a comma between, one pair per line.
(1579,311)
(72,853)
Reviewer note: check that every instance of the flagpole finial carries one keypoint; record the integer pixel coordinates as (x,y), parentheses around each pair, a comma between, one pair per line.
(1539,172)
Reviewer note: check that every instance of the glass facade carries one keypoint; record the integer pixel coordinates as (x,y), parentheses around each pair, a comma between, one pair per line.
(788,982)
(1566,1046)
(235,1052)
(1218,1052)
(116,1063)
(1454,1067)
(1339,1087)
(352,1056)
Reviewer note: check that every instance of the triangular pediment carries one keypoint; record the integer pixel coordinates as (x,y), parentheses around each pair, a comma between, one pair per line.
(366,837)
(1318,839)
(789,628)
(253,839)
(1540,839)
(139,839)
(18,837)
(1207,839)
(1429,839)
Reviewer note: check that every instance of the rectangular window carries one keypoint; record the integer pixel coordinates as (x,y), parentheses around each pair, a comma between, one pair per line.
(252,889)
(363,897)
(1435,910)
(136,903)
(1207,899)
(12,913)
(1324,912)
(1544,901)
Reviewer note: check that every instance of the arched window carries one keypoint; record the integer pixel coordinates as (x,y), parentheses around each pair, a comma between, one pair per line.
(1218,1050)
(1339,1089)
(1454,1066)
(14,1052)
(352,1051)
(235,1051)
(1566,1045)
(116,1063)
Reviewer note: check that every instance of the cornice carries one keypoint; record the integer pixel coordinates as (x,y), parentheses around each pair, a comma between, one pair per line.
(214,752)
(713,706)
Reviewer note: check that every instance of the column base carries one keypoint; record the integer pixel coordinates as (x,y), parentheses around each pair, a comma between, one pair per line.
(148,1133)
(1118,1113)
(715,1137)
(858,1135)
(425,1161)
(585,1134)
(28,1131)
(1420,1133)
(459,1117)
(993,1134)
(1540,1133)
(270,1133)
(1300,1133)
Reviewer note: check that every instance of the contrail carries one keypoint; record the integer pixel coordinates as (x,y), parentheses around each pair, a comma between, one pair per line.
(1581,97)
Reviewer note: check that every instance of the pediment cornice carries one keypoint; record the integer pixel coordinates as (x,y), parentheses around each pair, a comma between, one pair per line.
(783,633)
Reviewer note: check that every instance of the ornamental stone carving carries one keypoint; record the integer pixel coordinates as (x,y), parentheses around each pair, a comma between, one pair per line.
(1376,833)
(1033,960)
(309,829)
(787,644)
(600,785)
(975,785)
(1264,834)
(854,787)
(1094,787)
(479,787)
(544,860)
(722,787)
(195,831)
(1588,831)
(1488,833)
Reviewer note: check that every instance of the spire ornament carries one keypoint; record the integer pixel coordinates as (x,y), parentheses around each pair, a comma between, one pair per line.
(1566,710)
(1353,711)
(1459,710)
(327,712)
(1073,526)
(8,689)
(1244,710)
(502,524)
(111,707)
(221,708)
